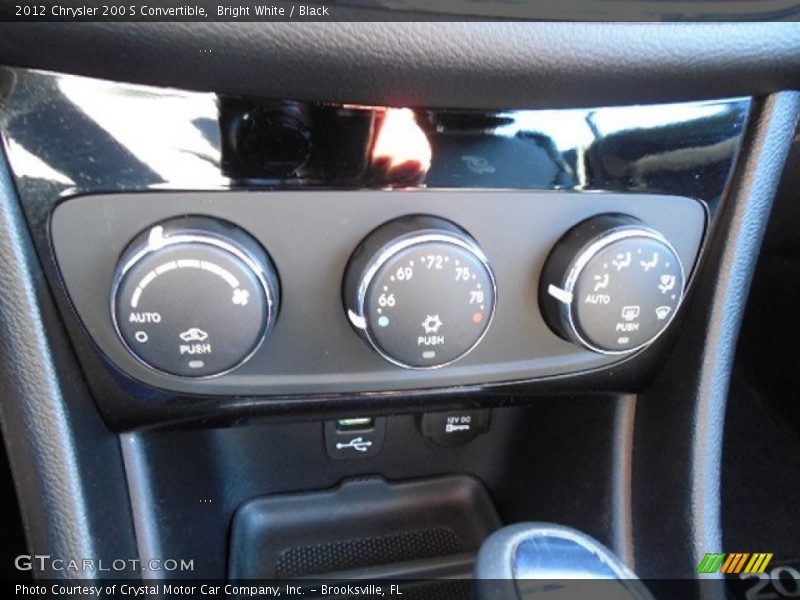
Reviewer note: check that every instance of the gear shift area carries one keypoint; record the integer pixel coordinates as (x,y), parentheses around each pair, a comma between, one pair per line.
(544,560)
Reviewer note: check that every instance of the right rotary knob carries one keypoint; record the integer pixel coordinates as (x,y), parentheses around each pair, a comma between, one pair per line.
(611,284)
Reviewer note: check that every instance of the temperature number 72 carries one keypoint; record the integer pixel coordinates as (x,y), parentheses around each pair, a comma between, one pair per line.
(434,261)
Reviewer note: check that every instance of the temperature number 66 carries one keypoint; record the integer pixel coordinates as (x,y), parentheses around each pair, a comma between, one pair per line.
(386,300)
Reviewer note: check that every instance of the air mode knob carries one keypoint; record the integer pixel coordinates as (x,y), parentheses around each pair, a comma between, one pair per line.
(194,297)
(420,291)
(611,284)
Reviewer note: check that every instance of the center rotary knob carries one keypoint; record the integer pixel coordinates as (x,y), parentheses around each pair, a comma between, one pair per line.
(420,291)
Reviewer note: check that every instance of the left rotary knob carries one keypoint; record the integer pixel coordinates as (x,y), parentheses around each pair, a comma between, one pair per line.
(194,297)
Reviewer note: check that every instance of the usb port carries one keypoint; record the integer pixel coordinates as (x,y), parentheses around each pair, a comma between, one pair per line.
(355,424)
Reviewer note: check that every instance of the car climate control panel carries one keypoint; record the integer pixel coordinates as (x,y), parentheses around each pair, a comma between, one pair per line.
(313,292)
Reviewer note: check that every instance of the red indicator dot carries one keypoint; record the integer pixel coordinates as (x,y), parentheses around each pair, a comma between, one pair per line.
(477,317)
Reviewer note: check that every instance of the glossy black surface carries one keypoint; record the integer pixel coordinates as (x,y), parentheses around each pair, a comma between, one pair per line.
(66,135)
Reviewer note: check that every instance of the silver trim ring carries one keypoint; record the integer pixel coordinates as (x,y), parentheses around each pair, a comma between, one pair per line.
(192,238)
(389,251)
(587,254)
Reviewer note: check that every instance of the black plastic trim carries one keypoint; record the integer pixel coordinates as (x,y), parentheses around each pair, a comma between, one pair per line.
(67,466)
(680,419)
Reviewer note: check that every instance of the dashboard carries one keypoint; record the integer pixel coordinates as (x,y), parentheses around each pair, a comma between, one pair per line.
(360,250)
(276,306)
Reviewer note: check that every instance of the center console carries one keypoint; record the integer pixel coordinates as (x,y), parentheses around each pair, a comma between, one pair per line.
(228,254)
(276,311)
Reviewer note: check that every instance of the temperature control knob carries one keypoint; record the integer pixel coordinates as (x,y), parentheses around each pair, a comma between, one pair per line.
(194,297)
(611,284)
(420,291)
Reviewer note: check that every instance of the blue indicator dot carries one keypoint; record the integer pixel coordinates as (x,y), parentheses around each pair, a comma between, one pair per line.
(383,321)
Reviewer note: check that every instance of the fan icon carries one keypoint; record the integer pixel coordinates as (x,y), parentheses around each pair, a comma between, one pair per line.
(432,323)
(240,297)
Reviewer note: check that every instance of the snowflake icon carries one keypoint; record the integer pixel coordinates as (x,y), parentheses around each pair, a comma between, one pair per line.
(240,297)
(432,323)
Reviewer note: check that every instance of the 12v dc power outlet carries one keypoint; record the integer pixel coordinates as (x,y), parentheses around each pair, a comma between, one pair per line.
(455,428)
